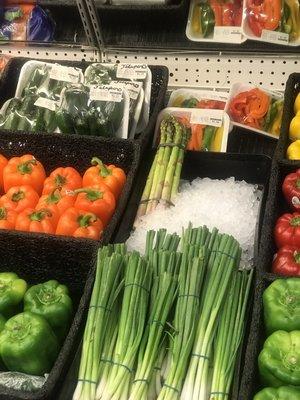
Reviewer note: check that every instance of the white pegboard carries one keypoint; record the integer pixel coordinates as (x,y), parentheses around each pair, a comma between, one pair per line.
(72,53)
(218,70)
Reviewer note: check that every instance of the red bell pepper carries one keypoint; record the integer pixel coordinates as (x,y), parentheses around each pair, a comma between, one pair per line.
(211,104)
(217,9)
(263,14)
(291,189)
(287,230)
(228,14)
(287,261)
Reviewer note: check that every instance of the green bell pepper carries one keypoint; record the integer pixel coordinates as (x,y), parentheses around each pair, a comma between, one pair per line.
(208,137)
(190,103)
(28,344)
(207,19)
(51,301)
(12,291)
(282,393)
(282,305)
(279,360)
(2,322)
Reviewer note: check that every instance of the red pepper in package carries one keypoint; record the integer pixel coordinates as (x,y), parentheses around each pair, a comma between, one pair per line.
(287,261)
(250,107)
(263,14)
(291,190)
(287,230)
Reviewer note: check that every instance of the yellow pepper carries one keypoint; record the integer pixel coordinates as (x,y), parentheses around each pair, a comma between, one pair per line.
(217,142)
(275,129)
(196,20)
(293,151)
(294,131)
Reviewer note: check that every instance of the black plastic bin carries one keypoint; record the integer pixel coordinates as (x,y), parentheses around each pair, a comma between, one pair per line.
(291,91)
(38,262)
(251,383)
(54,150)
(160,77)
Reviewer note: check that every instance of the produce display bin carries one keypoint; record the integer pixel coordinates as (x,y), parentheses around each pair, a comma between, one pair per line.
(275,207)
(291,91)
(160,76)
(250,383)
(253,169)
(23,255)
(54,150)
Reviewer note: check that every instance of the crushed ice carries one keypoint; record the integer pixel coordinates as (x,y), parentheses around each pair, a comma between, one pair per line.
(229,205)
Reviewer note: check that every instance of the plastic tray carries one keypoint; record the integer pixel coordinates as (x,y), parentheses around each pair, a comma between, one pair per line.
(250,383)
(160,76)
(68,267)
(291,91)
(54,150)
(186,93)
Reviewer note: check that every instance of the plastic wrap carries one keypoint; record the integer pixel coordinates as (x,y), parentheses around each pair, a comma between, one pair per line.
(196,98)
(24,382)
(215,21)
(208,128)
(274,21)
(26,21)
(255,108)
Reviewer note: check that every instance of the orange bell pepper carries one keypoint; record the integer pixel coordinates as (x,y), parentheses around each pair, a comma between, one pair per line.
(31,220)
(25,170)
(3,162)
(18,198)
(112,176)
(63,179)
(79,223)
(196,137)
(7,218)
(217,9)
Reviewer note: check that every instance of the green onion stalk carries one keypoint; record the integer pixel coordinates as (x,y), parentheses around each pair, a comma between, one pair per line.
(164,285)
(223,262)
(156,382)
(229,335)
(164,176)
(191,274)
(106,288)
(131,327)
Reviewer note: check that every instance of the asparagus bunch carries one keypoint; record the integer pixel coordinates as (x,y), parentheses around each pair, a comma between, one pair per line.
(163,179)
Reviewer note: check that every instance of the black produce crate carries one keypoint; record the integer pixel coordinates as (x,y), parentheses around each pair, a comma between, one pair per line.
(132,12)
(275,207)
(253,169)
(160,76)
(55,150)
(291,91)
(38,263)
(251,383)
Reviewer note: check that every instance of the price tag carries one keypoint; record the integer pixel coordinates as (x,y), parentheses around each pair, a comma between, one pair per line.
(46,103)
(212,95)
(133,88)
(132,71)
(207,117)
(275,37)
(106,93)
(230,34)
(65,74)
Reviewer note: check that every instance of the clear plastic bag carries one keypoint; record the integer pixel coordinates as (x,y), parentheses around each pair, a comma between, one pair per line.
(24,382)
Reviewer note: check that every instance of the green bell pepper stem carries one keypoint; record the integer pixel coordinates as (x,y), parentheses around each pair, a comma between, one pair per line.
(28,344)
(282,304)
(91,194)
(3,213)
(54,197)
(282,393)
(84,221)
(103,170)
(26,167)
(40,215)
(51,301)
(279,360)
(12,291)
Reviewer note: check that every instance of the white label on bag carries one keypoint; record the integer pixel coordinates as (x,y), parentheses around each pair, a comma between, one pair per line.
(46,103)
(207,117)
(212,95)
(133,88)
(106,93)
(132,71)
(65,74)
(231,34)
(275,37)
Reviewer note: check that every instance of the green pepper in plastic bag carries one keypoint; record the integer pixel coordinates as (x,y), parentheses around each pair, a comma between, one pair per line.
(282,393)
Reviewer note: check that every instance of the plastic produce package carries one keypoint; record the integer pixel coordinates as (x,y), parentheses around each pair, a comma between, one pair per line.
(132,75)
(215,21)
(208,129)
(193,98)
(274,21)
(255,108)
(24,20)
